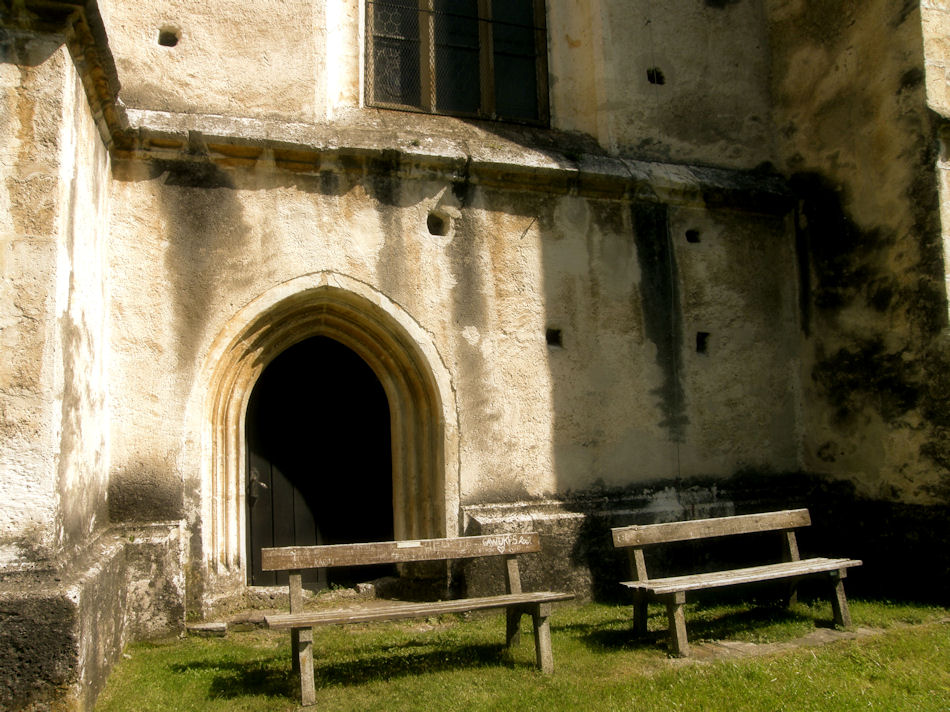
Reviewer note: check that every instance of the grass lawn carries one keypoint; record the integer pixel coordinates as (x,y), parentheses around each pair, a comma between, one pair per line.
(455,664)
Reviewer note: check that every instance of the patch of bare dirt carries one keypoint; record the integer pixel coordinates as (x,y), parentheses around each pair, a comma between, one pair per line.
(709,650)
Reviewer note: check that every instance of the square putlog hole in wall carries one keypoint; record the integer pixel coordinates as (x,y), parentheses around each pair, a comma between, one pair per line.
(168,36)
(554,338)
(702,342)
(438,224)
(655,76)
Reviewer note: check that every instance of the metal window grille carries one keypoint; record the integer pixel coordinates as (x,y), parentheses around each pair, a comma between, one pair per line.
(478,58)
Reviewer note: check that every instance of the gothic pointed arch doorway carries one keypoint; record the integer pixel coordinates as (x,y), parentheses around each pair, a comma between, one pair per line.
(404,360)
(319,460)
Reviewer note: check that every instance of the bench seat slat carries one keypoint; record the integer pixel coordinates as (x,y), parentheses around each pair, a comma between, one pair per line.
(692,582)
(397,552)
(400,610)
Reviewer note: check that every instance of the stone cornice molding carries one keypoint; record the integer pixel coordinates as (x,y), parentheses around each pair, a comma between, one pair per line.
(80,22)
(468,154)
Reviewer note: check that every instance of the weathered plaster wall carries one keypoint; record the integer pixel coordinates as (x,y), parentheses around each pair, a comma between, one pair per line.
(654,380)
(860,143)
(31,109)
(576,69)
(55,172)
(83,320)
(260,58)
(709,98)
(60,637)
(712,106)
(71,594)
(693,337)
(194,242)
(935,16)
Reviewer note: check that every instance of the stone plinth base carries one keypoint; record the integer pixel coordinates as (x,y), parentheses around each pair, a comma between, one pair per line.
(62,628)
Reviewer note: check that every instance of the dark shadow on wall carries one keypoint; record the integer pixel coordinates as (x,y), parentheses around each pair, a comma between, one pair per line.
(903,546)
(37,645)
(205,245)
(899,366)
(145,491)
(855,372)
(202,255)
(24,51)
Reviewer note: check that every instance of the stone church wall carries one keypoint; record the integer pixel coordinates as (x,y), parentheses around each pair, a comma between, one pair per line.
(56,188)
(715,284)
(860,145)
(535,418)
(648,282)
(72,590)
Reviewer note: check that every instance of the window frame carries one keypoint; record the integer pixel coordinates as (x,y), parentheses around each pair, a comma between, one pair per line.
(486,65)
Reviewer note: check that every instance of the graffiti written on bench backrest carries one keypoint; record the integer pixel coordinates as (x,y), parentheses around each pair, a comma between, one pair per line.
(503,542)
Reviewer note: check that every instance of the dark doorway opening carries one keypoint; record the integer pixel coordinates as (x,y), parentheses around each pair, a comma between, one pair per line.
(319,467)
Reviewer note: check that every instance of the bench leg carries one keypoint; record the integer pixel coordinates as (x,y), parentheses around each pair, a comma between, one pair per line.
(679,645)
(791,595)
(542,637)
(512,627)
(639,614)
(839,604)
(303,659)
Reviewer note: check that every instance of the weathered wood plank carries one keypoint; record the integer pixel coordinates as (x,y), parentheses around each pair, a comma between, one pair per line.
(512,574)
(638,564)
(295,590)
(676,619)
(304,658)
(542,638)
(715,579)
(512,616)
(400,610)
(515,602)
(839,602)
(673,588)
(791,547)
(643,534)
(513,627)
(397,552)
(639,613)
(791,554)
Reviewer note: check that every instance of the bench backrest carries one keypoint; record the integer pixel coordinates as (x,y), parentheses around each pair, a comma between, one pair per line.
(639,535)
(296,558)
(291,558)
(645,534)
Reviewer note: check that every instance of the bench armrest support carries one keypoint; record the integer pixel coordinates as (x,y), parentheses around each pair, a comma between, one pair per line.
(512,574)
(791,545)
(638,564)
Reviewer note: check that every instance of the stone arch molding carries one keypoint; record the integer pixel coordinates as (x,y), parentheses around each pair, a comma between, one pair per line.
(403,357)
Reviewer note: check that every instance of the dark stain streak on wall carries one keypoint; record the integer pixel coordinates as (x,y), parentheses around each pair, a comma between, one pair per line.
(840,254)
(867,374)
(659,294)
(383,175)
(183,174)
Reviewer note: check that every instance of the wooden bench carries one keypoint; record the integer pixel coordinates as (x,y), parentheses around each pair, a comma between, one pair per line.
(515,602)
(673,590)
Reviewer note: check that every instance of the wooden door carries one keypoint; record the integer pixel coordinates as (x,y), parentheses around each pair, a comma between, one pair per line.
(319,457)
